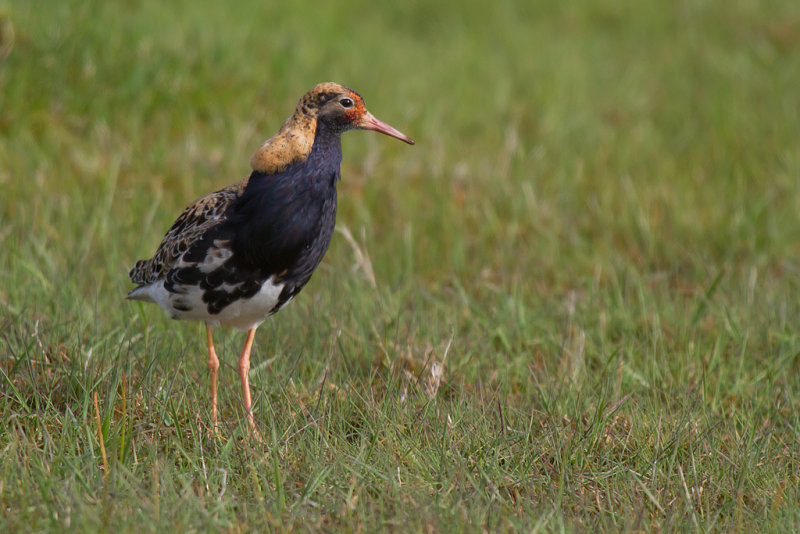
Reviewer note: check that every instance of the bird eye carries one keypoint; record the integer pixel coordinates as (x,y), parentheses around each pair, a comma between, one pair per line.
(346,102)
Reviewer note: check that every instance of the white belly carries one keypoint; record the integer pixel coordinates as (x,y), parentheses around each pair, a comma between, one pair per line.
(242,314)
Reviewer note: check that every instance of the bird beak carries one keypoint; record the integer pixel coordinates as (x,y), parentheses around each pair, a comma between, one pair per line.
(369,122)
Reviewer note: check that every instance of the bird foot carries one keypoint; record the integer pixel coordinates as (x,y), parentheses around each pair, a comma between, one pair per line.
(255,434)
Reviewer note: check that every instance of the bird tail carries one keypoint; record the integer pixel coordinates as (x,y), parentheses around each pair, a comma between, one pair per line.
(140,293)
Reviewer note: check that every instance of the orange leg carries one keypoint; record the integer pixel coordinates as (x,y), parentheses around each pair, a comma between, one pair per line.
(244,368)
(213,366)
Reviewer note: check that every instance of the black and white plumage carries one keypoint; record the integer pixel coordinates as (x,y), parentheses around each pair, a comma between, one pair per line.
(236,256)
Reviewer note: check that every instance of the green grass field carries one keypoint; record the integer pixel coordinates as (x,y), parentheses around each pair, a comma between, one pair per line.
(596,237)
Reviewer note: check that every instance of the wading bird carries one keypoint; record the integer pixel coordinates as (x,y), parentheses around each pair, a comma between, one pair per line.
(236,256)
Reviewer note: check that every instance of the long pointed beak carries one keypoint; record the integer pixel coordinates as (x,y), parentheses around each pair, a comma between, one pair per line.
(369,122)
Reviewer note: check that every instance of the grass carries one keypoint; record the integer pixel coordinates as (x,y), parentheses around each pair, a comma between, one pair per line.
(596,237)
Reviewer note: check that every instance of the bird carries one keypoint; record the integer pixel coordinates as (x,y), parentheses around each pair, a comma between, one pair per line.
(236,256)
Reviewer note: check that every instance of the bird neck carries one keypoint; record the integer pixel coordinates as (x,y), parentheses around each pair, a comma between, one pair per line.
(292,144)
(319,169)
(326,152)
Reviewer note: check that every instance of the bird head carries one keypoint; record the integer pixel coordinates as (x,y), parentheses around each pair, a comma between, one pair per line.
(343,109)
(334,105)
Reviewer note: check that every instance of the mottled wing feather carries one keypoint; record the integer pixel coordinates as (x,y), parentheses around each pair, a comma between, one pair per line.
(197,219)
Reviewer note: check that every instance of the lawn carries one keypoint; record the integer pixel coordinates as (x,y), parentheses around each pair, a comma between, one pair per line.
(574,305)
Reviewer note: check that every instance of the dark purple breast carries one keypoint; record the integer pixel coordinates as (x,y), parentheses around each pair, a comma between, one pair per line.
(280,228)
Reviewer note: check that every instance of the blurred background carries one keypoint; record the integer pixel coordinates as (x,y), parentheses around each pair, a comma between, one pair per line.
(560,148)
(603,196)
